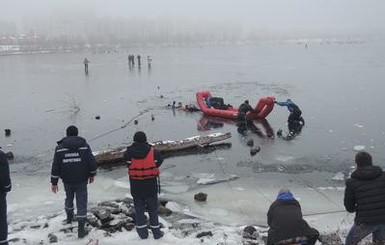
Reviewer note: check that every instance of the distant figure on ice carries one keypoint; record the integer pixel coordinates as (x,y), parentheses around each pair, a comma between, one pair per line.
(286,223)
(295,120)
(75,164)
(131,60)
(149,60)
(143,163)
(139,63)
(86,62)
(365,195)
(5,186)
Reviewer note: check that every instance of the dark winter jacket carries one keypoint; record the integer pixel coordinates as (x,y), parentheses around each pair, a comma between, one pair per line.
(73,161)
(142,188)
(244,108)
(5,180)
(285,221)
(365,195)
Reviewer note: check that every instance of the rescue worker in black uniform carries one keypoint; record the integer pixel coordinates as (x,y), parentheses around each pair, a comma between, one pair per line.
(75,164)
(143,163)
(242,121)
(295,120)
(5,186)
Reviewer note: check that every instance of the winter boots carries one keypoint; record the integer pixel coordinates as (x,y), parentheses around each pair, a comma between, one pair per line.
(157,233)
(70,217)
(82,232)
(142,231)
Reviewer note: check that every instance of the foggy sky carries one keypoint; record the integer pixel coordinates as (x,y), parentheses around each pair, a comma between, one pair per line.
(267,14)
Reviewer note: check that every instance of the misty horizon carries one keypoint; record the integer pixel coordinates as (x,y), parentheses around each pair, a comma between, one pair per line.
(153,21)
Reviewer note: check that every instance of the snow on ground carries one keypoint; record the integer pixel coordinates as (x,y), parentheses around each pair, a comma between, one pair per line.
(232,204)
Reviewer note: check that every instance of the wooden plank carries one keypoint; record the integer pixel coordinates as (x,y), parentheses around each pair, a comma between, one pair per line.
(116,154)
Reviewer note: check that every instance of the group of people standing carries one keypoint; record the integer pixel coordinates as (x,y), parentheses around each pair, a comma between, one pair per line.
(74,163)
(131,61)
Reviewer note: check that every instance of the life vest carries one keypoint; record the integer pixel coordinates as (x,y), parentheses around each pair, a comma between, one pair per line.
(145,168)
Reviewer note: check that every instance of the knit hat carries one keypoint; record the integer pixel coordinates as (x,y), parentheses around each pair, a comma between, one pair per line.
(285,194)
(140,137)
(72,131)
(283,190)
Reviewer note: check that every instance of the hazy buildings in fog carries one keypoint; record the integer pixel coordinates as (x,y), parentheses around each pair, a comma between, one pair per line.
(86,23)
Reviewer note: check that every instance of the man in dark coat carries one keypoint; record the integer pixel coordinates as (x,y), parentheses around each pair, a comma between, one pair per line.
(286,223)
(244,108)
(5,186)
(143,163)
(365,195)
(75,164)
(242,122)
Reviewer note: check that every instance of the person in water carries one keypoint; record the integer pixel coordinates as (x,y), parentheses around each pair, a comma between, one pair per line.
(243,109)
(242,122)
(295,120)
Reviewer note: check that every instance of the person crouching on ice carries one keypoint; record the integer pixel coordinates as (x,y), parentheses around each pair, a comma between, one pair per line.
(143,163)
(286,223)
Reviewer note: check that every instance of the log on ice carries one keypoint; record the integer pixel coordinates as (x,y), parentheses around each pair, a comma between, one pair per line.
(165,147)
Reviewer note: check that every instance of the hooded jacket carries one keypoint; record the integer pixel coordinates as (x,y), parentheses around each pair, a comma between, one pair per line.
(285,220)
(148,187)
(5,180)
(73,161)
(365,195)
(244,108)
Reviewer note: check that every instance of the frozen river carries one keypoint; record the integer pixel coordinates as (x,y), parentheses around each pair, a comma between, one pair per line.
(339,88)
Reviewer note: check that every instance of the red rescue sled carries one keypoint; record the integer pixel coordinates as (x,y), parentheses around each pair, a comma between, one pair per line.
(265,105)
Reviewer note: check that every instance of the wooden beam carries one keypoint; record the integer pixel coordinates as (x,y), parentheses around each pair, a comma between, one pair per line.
(166,147)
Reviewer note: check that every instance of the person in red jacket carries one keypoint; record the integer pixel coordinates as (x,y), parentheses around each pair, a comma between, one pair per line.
(143,163)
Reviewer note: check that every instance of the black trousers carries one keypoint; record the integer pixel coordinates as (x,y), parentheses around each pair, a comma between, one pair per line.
(142,205)
(3,219)
(78,191)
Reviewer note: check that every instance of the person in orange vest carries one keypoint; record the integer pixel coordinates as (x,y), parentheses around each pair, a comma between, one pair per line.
(143,163)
